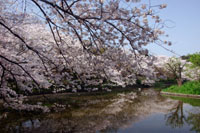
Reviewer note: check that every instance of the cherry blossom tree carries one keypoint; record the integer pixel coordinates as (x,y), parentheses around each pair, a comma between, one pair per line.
(76,44)
(175,67)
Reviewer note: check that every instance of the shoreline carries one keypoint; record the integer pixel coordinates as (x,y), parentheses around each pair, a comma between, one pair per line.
(180,95)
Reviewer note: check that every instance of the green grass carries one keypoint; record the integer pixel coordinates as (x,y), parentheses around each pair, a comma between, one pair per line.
(190,87)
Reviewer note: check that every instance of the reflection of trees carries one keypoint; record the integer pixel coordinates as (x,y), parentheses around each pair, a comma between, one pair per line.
(92,118)
(194,121)
(176,118)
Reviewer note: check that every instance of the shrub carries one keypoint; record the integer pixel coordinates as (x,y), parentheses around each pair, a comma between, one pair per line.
(190,87)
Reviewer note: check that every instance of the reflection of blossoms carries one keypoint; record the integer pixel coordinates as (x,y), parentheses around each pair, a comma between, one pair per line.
(15,101)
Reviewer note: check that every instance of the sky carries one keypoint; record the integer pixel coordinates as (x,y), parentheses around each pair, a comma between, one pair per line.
(184,16)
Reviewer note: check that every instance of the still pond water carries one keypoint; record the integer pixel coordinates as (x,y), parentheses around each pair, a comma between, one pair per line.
(145,113)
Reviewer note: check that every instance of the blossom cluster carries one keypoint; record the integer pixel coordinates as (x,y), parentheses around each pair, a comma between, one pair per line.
(86,45)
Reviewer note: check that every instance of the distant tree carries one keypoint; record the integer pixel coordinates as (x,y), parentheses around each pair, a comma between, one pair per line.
(195,59)
(174,67)
(193,69)
(185,57)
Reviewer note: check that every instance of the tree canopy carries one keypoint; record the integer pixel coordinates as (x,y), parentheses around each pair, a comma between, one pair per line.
(76,44)
(195,59)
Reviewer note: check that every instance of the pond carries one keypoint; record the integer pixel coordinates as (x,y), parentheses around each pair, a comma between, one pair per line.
(147,111)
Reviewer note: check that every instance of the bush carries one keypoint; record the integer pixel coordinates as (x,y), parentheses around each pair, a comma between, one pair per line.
(190,87)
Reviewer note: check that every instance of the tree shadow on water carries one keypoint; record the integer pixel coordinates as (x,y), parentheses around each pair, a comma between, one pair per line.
(176,118)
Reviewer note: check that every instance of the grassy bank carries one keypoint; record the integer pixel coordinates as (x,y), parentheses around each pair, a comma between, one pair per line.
(190,87)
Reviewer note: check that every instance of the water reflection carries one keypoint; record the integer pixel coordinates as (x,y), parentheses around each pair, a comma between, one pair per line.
(149,110)
(176,117)
(185,114)
(194,121)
